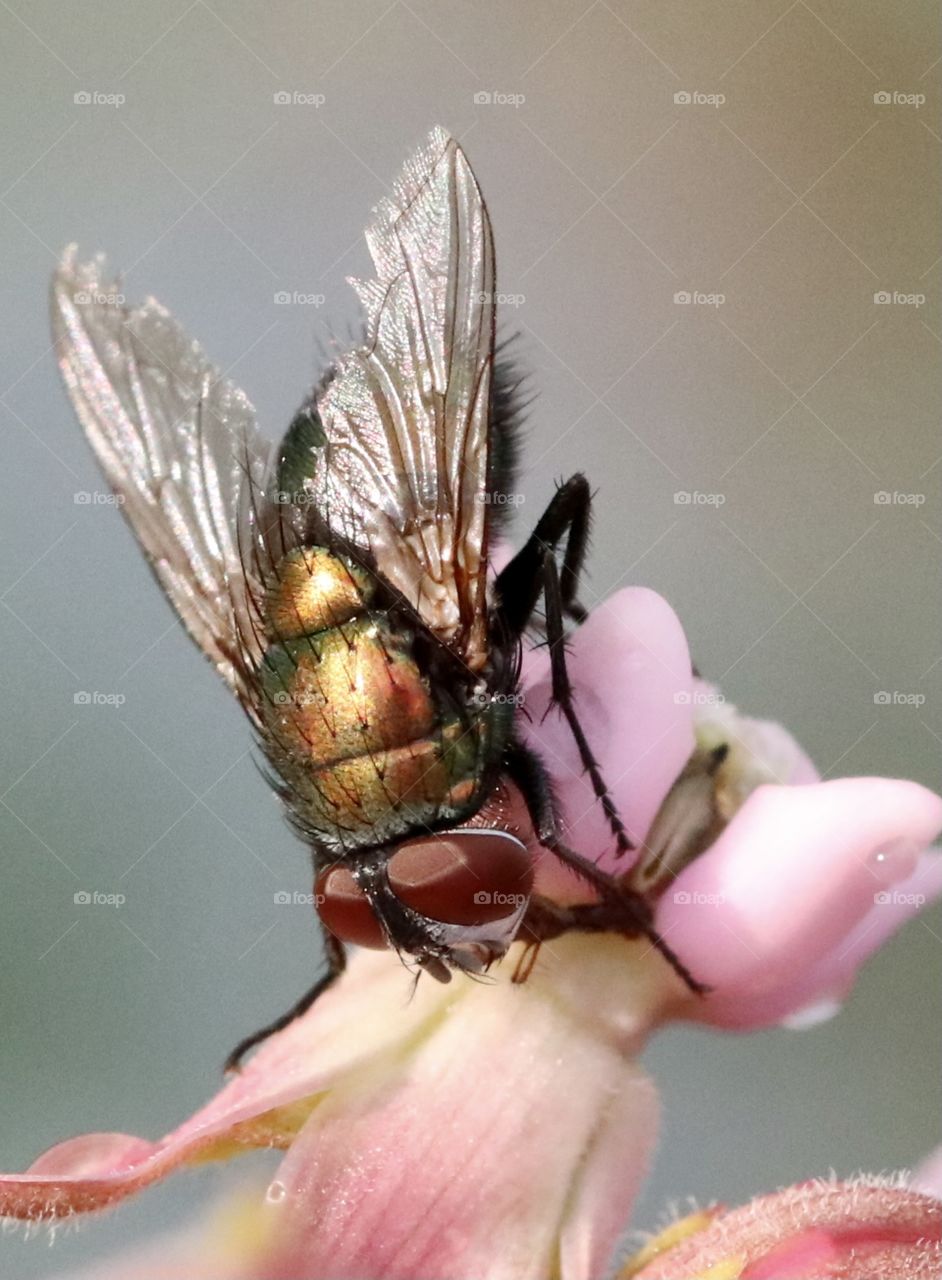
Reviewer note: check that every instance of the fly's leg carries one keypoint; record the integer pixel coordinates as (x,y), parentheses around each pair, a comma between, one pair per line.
(563,697)
(336,963)
(546,920)
(619,909)
(519,584)
(533,572)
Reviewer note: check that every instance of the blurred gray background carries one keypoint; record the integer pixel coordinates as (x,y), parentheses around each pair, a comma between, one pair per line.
(784,196)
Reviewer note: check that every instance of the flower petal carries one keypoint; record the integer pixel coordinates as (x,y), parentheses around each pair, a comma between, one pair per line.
(461,1162)
(630,670)
(786,885)
(823,986)
(361,1019)
(855,1231)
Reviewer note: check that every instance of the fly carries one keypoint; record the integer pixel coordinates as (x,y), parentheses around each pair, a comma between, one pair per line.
(339,585)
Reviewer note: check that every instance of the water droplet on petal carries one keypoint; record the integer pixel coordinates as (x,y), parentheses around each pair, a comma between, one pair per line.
(276,1192)
(894,862)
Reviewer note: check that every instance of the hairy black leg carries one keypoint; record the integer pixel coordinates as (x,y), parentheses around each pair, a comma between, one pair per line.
(546,920)
(336,963)
(519,584)
(577,542)
(562,696)
(533,572)
(620,909)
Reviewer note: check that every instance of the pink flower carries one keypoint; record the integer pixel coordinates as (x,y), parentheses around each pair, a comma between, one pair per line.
(491,1130)
(848,1231)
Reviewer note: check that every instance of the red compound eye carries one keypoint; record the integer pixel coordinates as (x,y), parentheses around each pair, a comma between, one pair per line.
(345,910)
(468,877)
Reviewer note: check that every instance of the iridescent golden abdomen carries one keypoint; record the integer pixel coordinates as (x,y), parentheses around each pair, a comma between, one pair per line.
(348,691)
(351,721)
(406,785)
(314,590)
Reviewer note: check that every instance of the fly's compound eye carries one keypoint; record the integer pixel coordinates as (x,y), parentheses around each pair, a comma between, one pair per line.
(475,881)
(469,878)
(345,910)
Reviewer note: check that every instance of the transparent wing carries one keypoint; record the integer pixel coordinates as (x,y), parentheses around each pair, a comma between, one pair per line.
(179,446)
(404,470)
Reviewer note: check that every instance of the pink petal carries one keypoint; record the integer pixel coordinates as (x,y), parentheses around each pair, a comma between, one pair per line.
(460,1162)
(786,884)
(849,1231)
(825,985)
(630,669)
(254,1109)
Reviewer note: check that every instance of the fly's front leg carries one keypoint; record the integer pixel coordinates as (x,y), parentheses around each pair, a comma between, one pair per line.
(619,909)
(533,572)
(336,963)
(519,584)
(546,920)
(563,697)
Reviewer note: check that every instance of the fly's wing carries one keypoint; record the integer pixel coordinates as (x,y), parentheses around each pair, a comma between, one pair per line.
(403,473)
(179,446)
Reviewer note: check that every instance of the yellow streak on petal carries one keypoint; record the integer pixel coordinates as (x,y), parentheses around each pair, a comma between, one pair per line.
(667,1239)
(729,1269)
(276,1128)
(238,1232)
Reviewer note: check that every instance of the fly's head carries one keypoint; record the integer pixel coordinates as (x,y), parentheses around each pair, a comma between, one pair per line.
(449,900)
